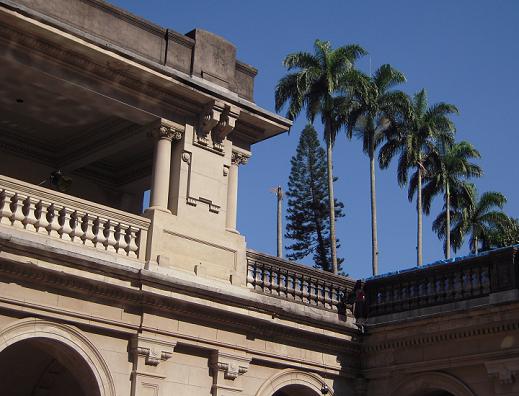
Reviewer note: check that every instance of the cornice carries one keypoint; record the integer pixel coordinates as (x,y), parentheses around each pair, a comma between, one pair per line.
(153,91)
(443,336)
(151,297)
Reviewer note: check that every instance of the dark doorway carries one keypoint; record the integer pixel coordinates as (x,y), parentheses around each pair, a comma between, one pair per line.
(40,366)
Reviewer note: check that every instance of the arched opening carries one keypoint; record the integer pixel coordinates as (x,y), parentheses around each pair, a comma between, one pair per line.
(432,392)
(432,384)
(292,382)
(295,390)
(40,366)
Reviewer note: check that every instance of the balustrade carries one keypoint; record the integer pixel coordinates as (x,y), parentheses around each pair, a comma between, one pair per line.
(295,282)
(443,283)
(46,212)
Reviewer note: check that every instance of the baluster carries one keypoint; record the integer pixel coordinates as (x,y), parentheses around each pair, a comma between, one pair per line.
(133,240)
(53,226)
(459,285)
(5,207)
(283,283)
(326,289)
(99,233)
(485,281)
(404,298)
(109,233)
(76,223)
(250,273)
(264,277)
(299,287)
(42,224)
(275,280)
(321,300)
(17,216)
(441,287)
(88,228)
(65,229)
(29,212)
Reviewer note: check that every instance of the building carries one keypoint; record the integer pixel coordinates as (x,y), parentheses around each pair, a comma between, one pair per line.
(99,299)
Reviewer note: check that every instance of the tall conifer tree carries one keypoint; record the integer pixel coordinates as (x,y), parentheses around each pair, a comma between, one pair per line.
(308,223)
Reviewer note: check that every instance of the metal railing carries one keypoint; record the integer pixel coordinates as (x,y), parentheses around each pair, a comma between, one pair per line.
(463,279)
(295,282)
(46,212)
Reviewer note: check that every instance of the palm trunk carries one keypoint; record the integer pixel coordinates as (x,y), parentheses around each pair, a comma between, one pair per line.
(419,211)
(279,194)
(333,240)
(448,222)
(476,247)
(374,239)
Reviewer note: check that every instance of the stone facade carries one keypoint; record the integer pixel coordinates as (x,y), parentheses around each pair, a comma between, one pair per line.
(100,298)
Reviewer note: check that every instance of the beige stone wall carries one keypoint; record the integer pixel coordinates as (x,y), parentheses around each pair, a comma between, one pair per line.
(186,351)
(464,352)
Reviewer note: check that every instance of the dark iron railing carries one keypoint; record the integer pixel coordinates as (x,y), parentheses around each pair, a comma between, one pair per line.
(295,282)
(443,283)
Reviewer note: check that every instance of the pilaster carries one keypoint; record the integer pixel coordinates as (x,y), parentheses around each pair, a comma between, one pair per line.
(148,372)
(226,368)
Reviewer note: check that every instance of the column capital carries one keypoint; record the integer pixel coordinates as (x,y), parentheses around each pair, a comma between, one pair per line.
(167,131)
(239,157)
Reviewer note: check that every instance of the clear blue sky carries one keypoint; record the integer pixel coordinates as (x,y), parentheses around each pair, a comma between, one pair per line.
(465,52)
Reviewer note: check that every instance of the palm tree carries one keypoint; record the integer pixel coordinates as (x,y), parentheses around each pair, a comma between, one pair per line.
(414,142)
(317,83)
(451,166)
(474,215)
(374,112)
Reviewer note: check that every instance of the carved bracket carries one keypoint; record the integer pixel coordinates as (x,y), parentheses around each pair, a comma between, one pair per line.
(230,365)
(503,371)
(217,120)
(153,351)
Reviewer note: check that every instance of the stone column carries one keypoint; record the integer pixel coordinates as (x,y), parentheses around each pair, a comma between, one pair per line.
(237,159)
(164,135)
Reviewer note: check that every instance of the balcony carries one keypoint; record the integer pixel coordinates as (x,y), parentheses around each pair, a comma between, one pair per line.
(50,213)
(487,278)
(298,283)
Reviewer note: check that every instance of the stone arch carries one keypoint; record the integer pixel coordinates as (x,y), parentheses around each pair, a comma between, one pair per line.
(419,384)
(33,328)
(288,377)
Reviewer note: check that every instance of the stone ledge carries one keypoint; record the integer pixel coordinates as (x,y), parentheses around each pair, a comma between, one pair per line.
(123,268)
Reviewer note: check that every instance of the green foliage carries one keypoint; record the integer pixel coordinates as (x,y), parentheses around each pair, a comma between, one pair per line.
(416,139)
(502,235)
(473,215)
(376,109)
(308,224)
(450,167)
(317,82)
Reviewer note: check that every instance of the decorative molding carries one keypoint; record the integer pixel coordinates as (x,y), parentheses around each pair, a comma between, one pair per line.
(153,351)
(503,371)
(59,280)
(217,120)
(190,200)
(239,158)
(167,131)
(451,335)
(231,366)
